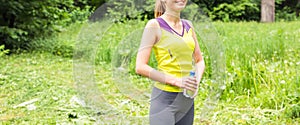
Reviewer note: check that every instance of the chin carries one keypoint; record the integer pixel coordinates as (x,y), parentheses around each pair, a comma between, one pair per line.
(180,6)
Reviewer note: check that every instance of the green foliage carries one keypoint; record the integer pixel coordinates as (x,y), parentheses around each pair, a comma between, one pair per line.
(229,10)
(190,11)
(93,3)
(22,21)
(223,10)
(138,9)
(121,10)
(286,14)
(115,37)
(238,10)
(287,10)
(257,66)
(247,10)
(293,111)
(61,43)
(3,51)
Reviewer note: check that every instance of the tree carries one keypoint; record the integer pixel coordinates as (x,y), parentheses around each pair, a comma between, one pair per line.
(267,10)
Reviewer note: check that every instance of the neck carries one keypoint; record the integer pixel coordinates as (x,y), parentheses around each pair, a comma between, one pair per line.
(172,16)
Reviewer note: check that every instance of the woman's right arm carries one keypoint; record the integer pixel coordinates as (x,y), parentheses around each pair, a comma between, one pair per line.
(150,36)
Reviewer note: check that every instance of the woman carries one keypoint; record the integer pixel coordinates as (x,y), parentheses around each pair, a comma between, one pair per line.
(175,45)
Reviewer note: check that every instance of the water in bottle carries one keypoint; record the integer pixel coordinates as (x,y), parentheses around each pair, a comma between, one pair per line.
(189,93)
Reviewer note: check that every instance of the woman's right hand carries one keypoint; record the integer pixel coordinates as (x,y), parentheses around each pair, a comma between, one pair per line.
(189,83)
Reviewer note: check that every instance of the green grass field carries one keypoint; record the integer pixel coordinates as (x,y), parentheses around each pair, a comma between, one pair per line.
(262,80)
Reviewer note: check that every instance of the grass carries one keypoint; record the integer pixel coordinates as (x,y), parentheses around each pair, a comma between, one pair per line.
(44,77)
(262,80)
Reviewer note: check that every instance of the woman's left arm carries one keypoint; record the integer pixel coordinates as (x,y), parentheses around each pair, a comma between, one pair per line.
(198,58)
(199,61)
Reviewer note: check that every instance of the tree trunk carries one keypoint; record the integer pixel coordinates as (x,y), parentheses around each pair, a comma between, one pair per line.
(267,10)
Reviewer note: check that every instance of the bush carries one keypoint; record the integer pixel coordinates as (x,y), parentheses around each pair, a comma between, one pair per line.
(23,21)
(286,14)
(238,10)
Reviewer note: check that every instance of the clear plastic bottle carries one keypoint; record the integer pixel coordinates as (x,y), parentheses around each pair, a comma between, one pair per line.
(189,93)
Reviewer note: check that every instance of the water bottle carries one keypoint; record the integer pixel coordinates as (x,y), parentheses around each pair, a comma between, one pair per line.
(189,93)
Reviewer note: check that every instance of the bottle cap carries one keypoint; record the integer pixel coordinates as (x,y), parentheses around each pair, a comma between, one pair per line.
(192,73)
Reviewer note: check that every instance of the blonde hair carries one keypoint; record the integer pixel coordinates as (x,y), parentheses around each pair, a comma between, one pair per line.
(160,8)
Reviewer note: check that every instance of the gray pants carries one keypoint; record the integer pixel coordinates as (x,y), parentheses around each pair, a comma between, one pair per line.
(170,108)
